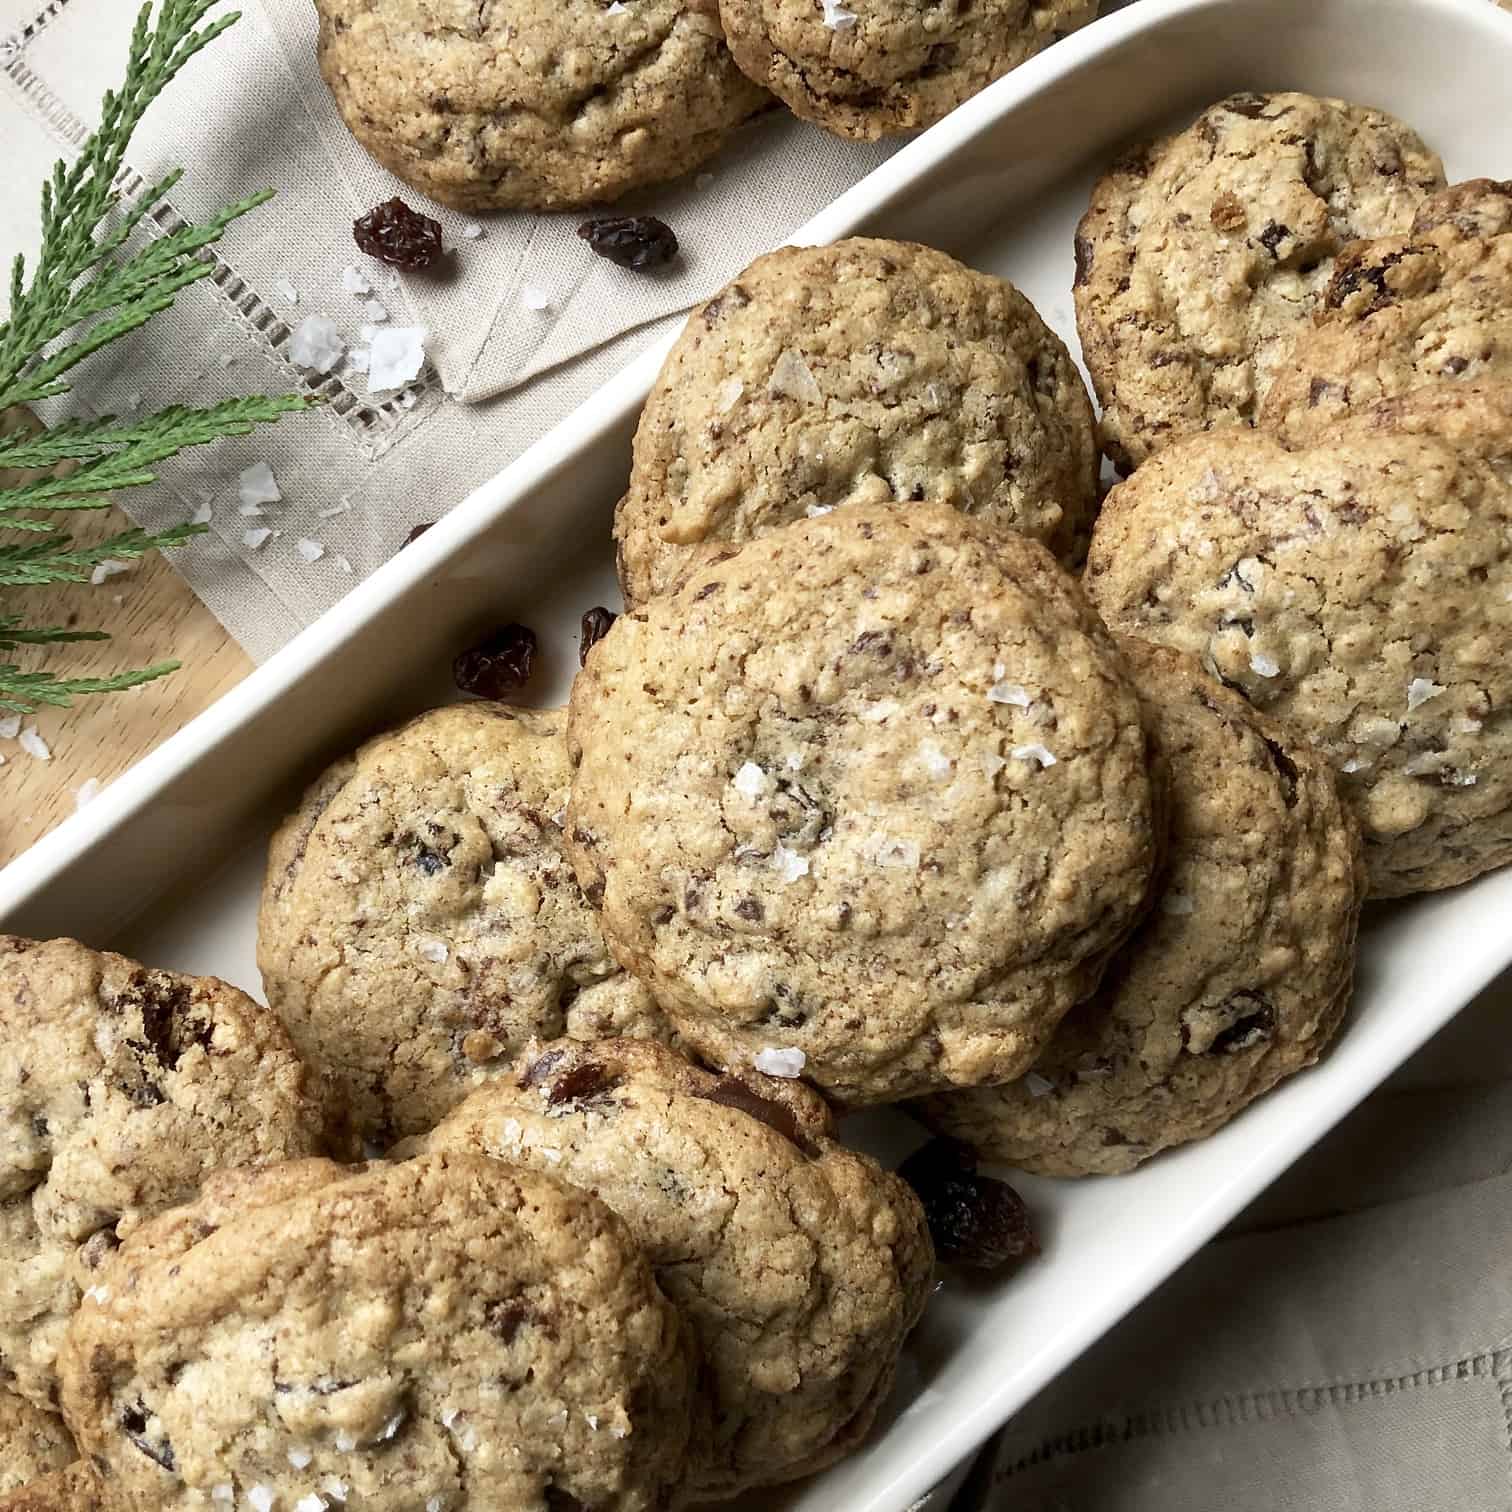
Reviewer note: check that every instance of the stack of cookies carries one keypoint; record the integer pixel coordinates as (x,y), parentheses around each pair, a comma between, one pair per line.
(556,104)
(909,775)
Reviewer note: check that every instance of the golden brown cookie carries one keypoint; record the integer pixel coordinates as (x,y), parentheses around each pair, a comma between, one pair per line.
(1201,252)
(33,1443)
(1239,977)
(1359,588)
(120,1089)
(449,1332)
(542,105)
(1405,311)
(872,68)
(76,1489)
(864,372)
(868,801)
(420,923)
(800,1264)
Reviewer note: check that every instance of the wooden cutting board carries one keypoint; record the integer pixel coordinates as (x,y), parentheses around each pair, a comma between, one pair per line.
(153,616)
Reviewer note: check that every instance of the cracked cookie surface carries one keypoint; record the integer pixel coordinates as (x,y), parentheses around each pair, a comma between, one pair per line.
(1403,312)
(120,1089)
(864,372)
(33,1443)
(872,792)
(546,105)
(887,66)
(1358,588)
(420,922)
(800,1264)
(1239,977)
(75,1489)
(1199,253)
(447,1328)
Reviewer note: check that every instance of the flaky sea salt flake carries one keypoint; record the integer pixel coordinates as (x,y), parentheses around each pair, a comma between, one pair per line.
(223,1491)
(34,745)
(316,343)
(354,280)
(534,299)
(287,291)
(314,1502)
(729,394)
(1010,693)
(789,864)
(787,1063)
(750,781)
(10,726)
(398,354)
(257,485)
(375,311)
(334,1487)
(792,376)
(300,1457)
(201,515)
(1464,726)
(1264,666)
(340,508)
(261,1499)
(471,230)
(434,951)
(86,792)
(1420,690)
(109,568)
(1034,752)
(836,17)
(255,540)
(309,551)
(1036,1085)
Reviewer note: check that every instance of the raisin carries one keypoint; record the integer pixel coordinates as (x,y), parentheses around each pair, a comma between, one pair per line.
(507,1318)
(973,1220)
(596,623)
(631,241)
(134,1425)
(393,233)
(581,1083)
(1252,106)
(499,664)
(418,531)
(730,1092)
(1272,237)
(1286,770)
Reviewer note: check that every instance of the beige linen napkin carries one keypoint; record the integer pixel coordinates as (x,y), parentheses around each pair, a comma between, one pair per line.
(1346,1348)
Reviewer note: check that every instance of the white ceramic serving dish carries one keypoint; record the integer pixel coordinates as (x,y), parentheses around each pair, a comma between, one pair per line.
(166,862)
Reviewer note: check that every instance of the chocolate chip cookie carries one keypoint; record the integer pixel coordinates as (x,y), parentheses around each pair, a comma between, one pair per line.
(33,1443)
(419,920)
(120,1088)
(1359,588)
(800,1264)
(1239,977)
(1201,252)
(1404,311)
(544,105)
(886,66)
(868,801)
(864,372)
(448,1332)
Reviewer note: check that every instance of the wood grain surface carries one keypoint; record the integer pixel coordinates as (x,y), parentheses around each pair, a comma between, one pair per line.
(152,615)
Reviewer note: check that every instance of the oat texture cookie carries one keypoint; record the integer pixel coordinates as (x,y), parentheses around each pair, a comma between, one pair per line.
(869,798)
(76,1489)
(33,1443)
(1202,252)
(120,1087)
(888,66)
(1239,978)
(865,372)
(420,922)
(1358,588)
(448,1331)
(541,104)
(800,1264)
(1405,311)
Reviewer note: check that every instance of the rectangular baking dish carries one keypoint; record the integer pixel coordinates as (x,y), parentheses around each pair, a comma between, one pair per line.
(166,863)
